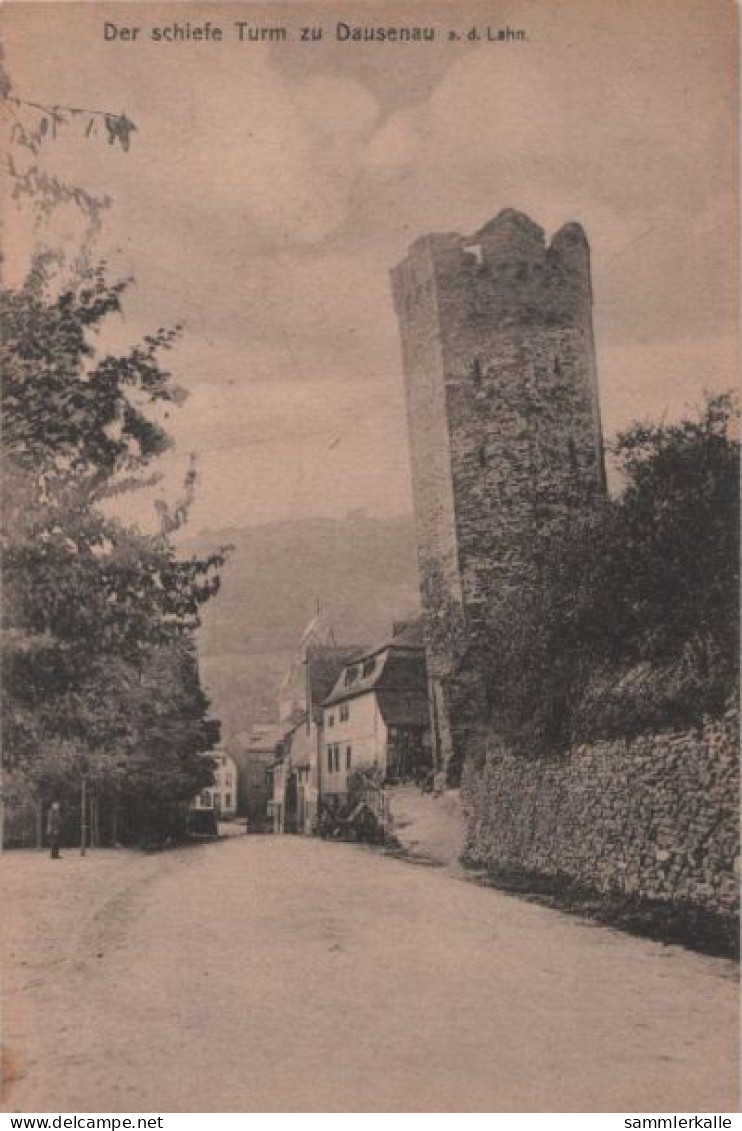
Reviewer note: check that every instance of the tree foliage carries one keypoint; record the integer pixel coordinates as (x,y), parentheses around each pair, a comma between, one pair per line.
(27,128)
(627,617)
(99,617)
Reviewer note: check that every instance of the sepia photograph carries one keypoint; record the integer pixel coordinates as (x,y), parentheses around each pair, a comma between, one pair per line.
(370,559)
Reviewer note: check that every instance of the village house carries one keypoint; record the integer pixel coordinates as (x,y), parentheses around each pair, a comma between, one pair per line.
(296,773)
(254,753)
(295,793)
(376,715)
(222,795)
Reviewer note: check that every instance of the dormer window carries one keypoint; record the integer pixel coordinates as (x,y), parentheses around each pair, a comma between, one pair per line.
(351,675)
(368,667)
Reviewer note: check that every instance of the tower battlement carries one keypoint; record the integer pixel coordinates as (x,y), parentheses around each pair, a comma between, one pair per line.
(503,415)
(504,274)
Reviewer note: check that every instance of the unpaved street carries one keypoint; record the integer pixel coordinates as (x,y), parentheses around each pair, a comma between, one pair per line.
(284,974)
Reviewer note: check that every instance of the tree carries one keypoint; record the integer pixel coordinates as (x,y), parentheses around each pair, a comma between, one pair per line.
(101,674)
(677,533)
(663,605)
(99,617)
(626,617)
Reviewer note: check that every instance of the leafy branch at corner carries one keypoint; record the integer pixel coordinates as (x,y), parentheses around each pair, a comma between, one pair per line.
(29,127)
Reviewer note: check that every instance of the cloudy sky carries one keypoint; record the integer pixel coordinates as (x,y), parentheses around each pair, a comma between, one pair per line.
(269,189)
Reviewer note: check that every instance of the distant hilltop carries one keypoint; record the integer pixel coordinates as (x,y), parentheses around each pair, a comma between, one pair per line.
(362,570)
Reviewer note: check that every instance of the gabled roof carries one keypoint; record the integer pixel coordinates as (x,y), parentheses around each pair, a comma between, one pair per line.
(325,663)
(406,635)
(245,758)
(391,668)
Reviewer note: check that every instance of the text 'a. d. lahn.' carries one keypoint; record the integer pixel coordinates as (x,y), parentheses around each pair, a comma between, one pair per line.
(497,34)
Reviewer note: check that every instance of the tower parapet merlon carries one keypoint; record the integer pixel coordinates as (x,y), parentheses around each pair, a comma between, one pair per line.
(504,271)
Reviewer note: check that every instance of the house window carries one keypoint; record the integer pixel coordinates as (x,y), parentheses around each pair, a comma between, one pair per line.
(331,720)
(476,370)
(337,759)
(228,800)
(329,759)
(344,712)
(347,757)
(205,799)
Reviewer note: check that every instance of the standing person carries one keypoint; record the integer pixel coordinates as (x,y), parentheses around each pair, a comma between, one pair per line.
(54,829)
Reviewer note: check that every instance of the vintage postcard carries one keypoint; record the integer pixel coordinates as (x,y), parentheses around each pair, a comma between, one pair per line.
(370,556)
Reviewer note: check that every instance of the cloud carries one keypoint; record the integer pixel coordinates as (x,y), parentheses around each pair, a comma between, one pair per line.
(625,124)
(232,157)
(263,203)
(339,446)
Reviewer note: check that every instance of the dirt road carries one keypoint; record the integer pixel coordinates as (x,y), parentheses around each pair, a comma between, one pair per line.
(284,974)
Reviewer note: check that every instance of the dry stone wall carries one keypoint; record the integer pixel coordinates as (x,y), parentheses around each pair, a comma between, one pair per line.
(656,817)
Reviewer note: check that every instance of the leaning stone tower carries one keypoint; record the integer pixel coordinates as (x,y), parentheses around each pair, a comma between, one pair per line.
(503,418)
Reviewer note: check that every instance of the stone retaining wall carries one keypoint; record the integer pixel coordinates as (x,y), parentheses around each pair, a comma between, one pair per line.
(655,817)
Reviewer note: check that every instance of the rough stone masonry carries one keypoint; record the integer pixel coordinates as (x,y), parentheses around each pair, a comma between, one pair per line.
(656,816)
(503,418)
